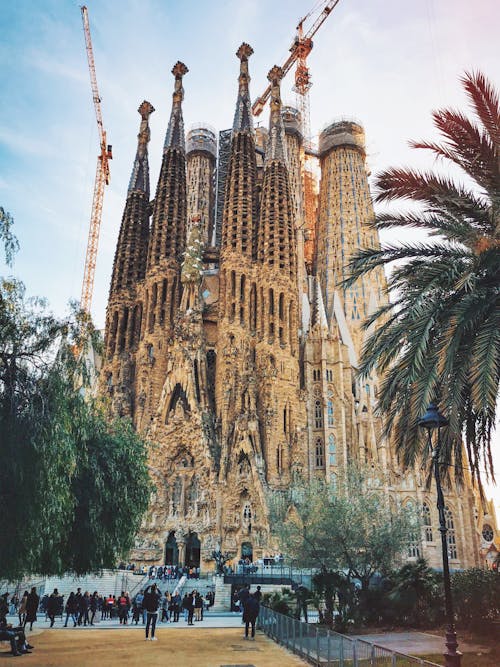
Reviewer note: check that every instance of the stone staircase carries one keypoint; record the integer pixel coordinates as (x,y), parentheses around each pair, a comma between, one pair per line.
(222,600)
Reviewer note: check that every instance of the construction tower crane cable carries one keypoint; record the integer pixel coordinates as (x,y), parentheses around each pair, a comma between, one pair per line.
(101,178)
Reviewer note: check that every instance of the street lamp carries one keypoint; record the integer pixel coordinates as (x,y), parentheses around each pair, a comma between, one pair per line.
(432,420)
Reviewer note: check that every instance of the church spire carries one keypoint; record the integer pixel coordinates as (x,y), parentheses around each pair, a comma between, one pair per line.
(243,119)
(168,228)
(139,179)
(175,130)
(129,265)
(240,203)
(276,244)
(276,143)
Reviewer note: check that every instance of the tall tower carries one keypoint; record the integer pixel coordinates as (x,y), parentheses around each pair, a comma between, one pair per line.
(165,253)
(294,141)
(201,154)
(237,289)
(124,312)
(345,218)
(277,347)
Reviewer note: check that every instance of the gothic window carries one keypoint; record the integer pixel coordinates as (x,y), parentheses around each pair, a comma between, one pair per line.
(427,521)
(284,419)
(330,413)
(173,299)
(318,415)
(487,533)
(112,337)
(279,458)
(451,537)
(329,375)
(319,453)
(282,306)
(316,375)
(192,493)
(233,284)
(123,330)
(177,496)
(197,381)
(253,308)
(271,302)
(242,288)
(163,300)
(414,542)
(332,450)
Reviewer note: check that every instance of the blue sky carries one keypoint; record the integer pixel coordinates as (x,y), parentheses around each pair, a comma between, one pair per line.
(387,63)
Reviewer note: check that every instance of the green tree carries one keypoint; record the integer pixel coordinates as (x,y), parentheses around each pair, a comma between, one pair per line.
(73,486)
(439,338)
(476,593)
(9,240)
(348,531)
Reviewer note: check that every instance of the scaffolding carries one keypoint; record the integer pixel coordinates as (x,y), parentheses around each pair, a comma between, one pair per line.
(222,168)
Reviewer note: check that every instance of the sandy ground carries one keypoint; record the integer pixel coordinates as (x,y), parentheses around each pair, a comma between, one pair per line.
(198,647)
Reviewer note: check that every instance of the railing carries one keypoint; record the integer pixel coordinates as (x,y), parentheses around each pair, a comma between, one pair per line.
(325,648)
(271,574)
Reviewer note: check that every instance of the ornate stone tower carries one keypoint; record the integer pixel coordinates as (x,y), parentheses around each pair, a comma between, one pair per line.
(124,313)
(201,154)
(166,247)
(277,347)
(345,217)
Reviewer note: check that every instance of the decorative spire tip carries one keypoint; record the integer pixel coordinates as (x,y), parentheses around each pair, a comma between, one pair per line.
(244,52)
(146,109)
(275,74)
(179,69)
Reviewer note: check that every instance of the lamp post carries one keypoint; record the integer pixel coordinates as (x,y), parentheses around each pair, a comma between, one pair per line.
(432,420)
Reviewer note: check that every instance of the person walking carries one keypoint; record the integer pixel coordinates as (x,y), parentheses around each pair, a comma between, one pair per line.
(150,604)
(32,602)
(71,610)
(53,606)
(94,602)
(123,608)
(22,609)
(165,606)
(198,607)
(250,613)
(175,606)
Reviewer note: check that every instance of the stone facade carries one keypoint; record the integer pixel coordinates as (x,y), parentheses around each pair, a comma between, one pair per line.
(237,358)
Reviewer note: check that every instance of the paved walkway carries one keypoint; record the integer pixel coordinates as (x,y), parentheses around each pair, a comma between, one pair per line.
(415,643)
(190,647)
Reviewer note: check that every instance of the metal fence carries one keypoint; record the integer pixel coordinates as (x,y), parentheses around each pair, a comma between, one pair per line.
(325,648)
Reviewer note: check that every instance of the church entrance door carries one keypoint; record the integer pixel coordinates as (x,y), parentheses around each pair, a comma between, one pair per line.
(193,550)
(171,550)
(247,551)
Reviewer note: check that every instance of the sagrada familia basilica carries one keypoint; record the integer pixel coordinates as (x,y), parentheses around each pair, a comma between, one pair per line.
(231,343)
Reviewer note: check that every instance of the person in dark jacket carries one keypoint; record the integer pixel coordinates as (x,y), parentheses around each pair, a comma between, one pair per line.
(71,609)
(250,613)
(53,606)
(31,608)
(94,604)
(150,605)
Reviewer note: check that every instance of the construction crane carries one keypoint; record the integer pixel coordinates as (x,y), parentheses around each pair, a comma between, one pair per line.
(299,51)
(101,177)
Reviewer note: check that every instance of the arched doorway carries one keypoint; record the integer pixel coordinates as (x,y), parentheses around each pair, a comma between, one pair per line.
(247,551)
(171,550)
(193,547)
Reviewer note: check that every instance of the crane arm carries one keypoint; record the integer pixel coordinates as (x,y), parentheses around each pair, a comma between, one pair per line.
(101,178)
(329,7)
(93,79)
(300,48)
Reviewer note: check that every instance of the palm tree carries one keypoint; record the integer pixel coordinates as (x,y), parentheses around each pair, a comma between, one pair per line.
(439,338)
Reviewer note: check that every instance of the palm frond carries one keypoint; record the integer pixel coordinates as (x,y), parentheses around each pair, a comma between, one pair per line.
(484,100)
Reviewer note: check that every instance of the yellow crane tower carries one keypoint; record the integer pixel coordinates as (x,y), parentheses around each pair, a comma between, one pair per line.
(101,177)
